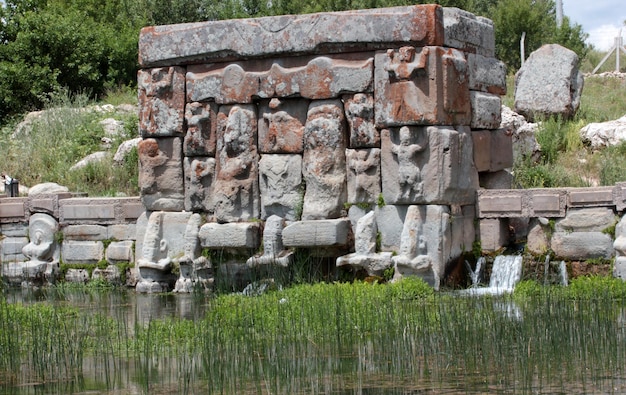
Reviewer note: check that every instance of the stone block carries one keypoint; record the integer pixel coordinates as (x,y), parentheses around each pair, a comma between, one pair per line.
(494,234)
(281,186)
(320,233)
(481,142)
(161,181)
(281,126)
(132,208)
(468,32)
(619,196)
(47,203)
(537,240)
(582,245)
(85,232)
(363,171)
(390,220)
(161,236)
(418,25)
(122,232)
(502,179)
(324,161)
(502,203)
(88,211)
(161,101)
(111,275)
(462,231)
(232,235)
(236,195)
(201,119)
(317,78)
(77,276)
(199,178)
(359,109)
(486,110)
(501,150)
(13,210)
(11,249)
(82,252)
(428,165)
(548,202)
(14,230)
(595,219)
(120,251)
(590,197)
(486,74)
(421,86)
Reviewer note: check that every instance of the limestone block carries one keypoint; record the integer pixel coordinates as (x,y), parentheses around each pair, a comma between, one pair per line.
(14,230)
(11,249)
(243,235)
(319,233)
(120,251)
(462,230)
(132,208)
(421,86)
(324,161)
(619,196)
(481,142)
(428,165)
(77,276)
(111,275)
(281,185)
(502,179)
(390,220)
(582,245)
(494,234)
(122,232)
(199,178)
(85,232)
(355,213)
(363,171)
(501,150)
(537,241)
(161,101)
(201,119)
(418,25)
(619,245)
(47,203)
(236,188)
(161,174)
(359,110)
(590,197)
(595,219)
(13,210)
(502,203)
(425,244)
(619,268)
(82,252)
(467,32)
(87,211)
(486,110)
(274,252)
(281,126)
(486,74)
(552,68)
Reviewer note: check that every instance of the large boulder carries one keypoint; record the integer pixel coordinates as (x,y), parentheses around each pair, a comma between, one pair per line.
(549,84)
(604,134)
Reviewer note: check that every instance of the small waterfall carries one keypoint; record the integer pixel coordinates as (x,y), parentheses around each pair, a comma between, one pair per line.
(563,271)
(506,272)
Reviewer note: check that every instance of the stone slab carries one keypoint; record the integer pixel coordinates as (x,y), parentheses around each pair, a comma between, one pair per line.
(122,232)
(99,211)
(582,245)
(189,43)
(161,181)
(14,229)
(481,140)
(590,197)
(468,32)
(161,96)
(120,251)
(500,203)
(486,74)
(85,232)
(47,203)
(231,235)
(13,210)
(82,252)
(501,150)
(317,233)
(549,203)
(493,233)
(486,110)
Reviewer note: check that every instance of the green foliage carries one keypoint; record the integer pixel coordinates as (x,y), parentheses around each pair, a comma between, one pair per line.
(410,287)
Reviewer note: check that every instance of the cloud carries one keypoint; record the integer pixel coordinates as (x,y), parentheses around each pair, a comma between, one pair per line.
(603,37)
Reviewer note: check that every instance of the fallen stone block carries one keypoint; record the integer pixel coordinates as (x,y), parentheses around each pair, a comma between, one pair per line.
(595,219)
(319,233)
(232,235)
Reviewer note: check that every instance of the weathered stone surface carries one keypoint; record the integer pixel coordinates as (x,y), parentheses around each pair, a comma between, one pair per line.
(13,210)
(201,119)
(493,233)
(468,32)
(590,197)
(281,186)
(619,196)
(124,149)
(84,232)
(281,126)
(120,251)
(359,109)
(131,209)
(425,244)
(161,101)
(199,178)
(363,175)
(596,219)
(87,211)
(91,159)
(619,268)
(320,233)
(390,220)
(244,235)
(236,189)
(47,188)
(232,39)
(82,252)
(502,179)
(582,245)
(11,249)
(518,203)
(501,150)
(486,110)
(14,230)
(481,142)
(604,134)
(421,86)
(486,74)
(322,77)
(462,230)
(77,276)
(122,232)
(274,252)
(196,271)
(48,204)
(432,165)
(537,241)
(111,274)
(324,161)
(524,142)
(549,83)
(161,174)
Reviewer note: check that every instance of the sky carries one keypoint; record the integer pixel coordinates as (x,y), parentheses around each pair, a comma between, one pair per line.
(601,19)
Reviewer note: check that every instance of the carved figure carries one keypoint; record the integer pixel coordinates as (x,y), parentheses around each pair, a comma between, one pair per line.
(403,68)
(409,175)
(273,251)
(42,251)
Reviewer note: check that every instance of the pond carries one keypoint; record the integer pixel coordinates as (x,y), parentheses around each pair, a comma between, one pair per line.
(310,339)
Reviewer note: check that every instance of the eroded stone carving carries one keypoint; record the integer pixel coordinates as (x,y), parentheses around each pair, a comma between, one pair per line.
(201,121)
(161,101)
(363,175)
(199,179)
(274,253)
(161,174)
(281,185)
(281,128)
(360,116)
(195,269)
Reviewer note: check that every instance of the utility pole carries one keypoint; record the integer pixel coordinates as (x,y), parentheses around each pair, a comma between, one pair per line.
(559,13)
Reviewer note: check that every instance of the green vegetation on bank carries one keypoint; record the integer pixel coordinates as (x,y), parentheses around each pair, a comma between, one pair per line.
(311,338)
